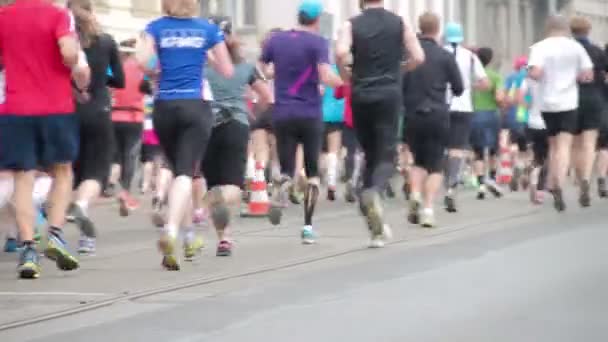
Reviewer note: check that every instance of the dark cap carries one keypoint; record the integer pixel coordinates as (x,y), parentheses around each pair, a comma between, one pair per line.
(223,22)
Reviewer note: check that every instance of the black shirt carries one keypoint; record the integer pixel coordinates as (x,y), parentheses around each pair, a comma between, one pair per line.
(600,66)
(424,88)
(101,55)
(377,50)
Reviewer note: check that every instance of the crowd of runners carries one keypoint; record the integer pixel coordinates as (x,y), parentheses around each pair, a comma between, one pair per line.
(211,132)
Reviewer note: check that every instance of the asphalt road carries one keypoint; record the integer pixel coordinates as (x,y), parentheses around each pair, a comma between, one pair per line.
(503,271)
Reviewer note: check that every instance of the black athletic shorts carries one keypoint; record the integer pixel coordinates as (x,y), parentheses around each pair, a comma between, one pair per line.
(291,132)
(150,152)
(460,130)
(262,121)
(590,111)
(226,156)
(518,136)
(30,142)
(329,128)
(427,135)
(561,122)
(183,128)
(96,145)
(540,145)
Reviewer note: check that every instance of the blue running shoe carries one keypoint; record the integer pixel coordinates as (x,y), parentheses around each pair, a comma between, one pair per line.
(308,236)
(11,245)
(56,249)
(29,264)
(86,246)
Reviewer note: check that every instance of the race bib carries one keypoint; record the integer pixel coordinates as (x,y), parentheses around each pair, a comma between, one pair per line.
(148,125)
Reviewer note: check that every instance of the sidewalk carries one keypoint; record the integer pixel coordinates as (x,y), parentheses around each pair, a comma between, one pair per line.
(127,265)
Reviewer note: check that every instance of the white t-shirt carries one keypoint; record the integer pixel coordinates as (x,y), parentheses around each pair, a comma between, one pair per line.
(470,68)
(535,119)
(207,94)
(561,60)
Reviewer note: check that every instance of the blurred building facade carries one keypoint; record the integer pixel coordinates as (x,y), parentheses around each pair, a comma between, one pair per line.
(508,26)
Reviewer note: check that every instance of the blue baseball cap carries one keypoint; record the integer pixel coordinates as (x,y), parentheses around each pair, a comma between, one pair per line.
(312,9)
(454,33)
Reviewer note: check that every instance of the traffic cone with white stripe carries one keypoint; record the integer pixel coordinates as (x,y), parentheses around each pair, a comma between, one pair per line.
(505,170)
(259,202)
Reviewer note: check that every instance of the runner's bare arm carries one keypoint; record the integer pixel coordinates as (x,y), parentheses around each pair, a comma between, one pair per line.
(74,58)
(145,53)
(222,62)
(412,45)
(343,50)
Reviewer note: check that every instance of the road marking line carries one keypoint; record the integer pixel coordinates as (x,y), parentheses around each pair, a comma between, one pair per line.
(67,294)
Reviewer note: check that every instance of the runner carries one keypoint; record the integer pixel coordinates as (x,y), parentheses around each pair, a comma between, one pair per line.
(93,109)
(461,108)
(425,93)
(591,110)
(486,127)
(602,158)
(127,119)
(226,156)
(301,62)
(376,38)
(537,136)
(515,121)
(557,62)
(333,119)
(178,43)
(37,42)
(263,144)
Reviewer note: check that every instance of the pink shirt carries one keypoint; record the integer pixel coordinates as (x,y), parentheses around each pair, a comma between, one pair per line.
(128,105)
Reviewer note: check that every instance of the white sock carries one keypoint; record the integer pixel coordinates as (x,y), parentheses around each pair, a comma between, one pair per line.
(250,170)
(42,187)
(84,205)
(180,196)
(332,170)
(6,191)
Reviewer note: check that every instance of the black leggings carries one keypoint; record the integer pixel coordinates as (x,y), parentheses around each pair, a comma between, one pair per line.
(289,133)
(96,145)
(127,137)
(183,128)
(376,123)
(349,140)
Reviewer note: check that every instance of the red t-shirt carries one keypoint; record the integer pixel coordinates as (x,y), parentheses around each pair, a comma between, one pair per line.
(37,81)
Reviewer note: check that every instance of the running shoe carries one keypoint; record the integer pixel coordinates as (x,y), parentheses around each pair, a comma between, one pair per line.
(308,236)
(331,194)
(85,224)
(109,191)
(166,246)
(224,249)
(29,263)
(585,195)
(128,204)
(69,216)
(558,200)
(86,246)
(280,193)
(414,210)
(427,218)
(200,217)
(515,180)
(350,195)
(57,250)
(11,245)
(390,192)
(158,218)
(193,245)
(481,193)
(295,196)
(379,241)
(374,212)
(602,188)
(450,204)
(494,188)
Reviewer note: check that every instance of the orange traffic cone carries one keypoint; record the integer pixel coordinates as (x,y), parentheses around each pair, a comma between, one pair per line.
(259,203)
(505,170)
